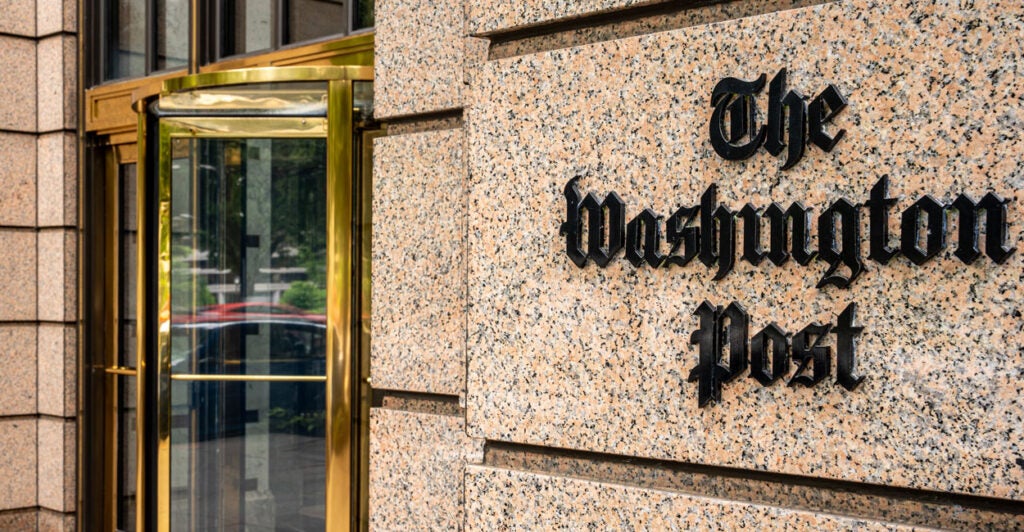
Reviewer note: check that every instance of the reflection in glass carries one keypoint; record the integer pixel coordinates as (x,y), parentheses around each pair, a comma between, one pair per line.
(245,26)
(126,453)
(127,271)
(307,20)
(248,297)
(362,16)
(171,34)
(247,456)
(249,256)
(126,33)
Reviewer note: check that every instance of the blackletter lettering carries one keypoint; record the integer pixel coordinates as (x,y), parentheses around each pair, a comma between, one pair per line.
(572,227)
(878,211)
(807,350)
(643,239)
(779,251)
(995,228)
(935,240)
(797,106)
(752,251)
(737,97)
(846,348)
(709,373)
(710,338)
(849,218)
(823,109)
(679,232)
(774,340)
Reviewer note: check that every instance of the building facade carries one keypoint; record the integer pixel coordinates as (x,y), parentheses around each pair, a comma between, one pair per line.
(611,264)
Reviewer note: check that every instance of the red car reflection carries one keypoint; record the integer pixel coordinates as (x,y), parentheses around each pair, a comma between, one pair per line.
(248,311)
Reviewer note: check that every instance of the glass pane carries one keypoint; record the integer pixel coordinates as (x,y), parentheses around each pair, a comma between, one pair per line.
(246,26)
(362,92)
(128,271)
(363,14)
(171,34)
(126,454)
(126,48)
(247,456)
(249,256)
(312,19)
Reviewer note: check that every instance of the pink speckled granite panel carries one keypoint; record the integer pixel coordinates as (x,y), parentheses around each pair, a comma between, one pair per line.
(17,463)
(417,463)
(18,180)
(58,180)
(19,519)
(17,275)
(598,359)
(503,499)
(18,84)
(58,275)
(419,275)
(19,17)
(17,369)
(418,60)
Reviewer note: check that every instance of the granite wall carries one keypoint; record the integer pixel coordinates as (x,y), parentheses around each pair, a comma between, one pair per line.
(550,393)
(38,264)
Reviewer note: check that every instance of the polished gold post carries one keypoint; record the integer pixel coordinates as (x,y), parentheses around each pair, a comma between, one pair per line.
(194,42)
(142,219)
(111,315)
(339,306)
(163,310)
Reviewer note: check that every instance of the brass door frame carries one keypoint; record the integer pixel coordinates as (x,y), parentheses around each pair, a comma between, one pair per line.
(340,377)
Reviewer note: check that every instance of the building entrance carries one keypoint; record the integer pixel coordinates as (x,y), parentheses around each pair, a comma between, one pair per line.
(250,390)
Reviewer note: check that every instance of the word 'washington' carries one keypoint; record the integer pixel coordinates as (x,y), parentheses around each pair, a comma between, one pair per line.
(707,232)
(770,351)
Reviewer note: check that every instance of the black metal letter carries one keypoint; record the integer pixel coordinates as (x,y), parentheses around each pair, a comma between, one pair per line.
(752,251)
(823,109)
(736,97)
(936,238)
(616,219)
(679,232)
(846,348)
(806,349)
(643,239)
(797,127)
(572,227)
(711,338)
(878,211)
(777,341)
(995,228)
(708,373)
(779,250)
(774,142)
(849,218)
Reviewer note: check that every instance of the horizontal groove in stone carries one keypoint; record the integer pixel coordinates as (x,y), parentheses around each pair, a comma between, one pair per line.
(439,121)
(630,22)
(869,501)
(419,402)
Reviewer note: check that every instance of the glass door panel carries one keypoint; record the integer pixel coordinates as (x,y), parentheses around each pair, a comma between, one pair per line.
(248,288)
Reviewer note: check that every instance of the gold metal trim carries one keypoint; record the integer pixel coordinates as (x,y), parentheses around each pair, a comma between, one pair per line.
(339,303)
(248,127)
(120,371)
(248,378)
(268,75)
(163,355)
(144,219)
